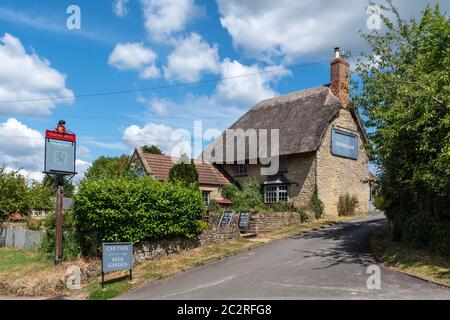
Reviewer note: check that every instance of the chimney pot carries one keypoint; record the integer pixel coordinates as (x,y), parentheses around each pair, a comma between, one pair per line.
(337,53)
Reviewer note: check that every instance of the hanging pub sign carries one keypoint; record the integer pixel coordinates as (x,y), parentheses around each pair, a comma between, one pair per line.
(244,221)
(60,148)
(344,144)
(225,219)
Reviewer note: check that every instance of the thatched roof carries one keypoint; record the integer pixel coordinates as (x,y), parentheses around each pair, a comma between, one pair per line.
(301,117)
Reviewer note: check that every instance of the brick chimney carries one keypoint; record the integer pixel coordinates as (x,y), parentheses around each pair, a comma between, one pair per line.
(340,78)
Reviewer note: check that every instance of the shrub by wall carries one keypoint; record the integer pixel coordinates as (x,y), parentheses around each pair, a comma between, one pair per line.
(347,205)
(135,210)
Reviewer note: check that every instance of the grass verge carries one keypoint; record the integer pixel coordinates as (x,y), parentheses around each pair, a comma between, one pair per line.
(166,266)
(416,262)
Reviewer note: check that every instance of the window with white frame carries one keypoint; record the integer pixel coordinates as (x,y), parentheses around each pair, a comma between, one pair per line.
(276,193)
(241,169)
(206,197)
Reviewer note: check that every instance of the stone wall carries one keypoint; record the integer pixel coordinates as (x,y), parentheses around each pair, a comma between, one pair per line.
(337,175)
(152,249)
(271,221)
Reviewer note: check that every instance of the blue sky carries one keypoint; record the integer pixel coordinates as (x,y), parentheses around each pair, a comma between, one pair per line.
(135,44)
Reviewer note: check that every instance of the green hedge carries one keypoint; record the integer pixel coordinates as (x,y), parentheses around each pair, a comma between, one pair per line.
(134,210)
(419,229)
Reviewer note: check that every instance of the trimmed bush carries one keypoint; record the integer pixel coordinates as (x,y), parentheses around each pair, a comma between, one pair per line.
(347,205)
(135,210)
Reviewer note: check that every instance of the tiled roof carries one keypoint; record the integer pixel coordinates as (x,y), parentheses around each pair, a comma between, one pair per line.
(158,166)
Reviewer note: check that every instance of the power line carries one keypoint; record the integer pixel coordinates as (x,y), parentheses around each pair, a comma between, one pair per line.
(182,84)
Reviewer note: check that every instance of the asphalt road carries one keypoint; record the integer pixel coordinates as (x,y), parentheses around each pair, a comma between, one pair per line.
(325,264)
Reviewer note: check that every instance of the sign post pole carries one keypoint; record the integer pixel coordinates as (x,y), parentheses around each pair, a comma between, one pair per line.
(59,219)
(60,153)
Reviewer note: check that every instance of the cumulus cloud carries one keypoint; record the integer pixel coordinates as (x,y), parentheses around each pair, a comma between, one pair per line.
(160,106)
(31,176)
(248,90)
(120,7)
(291,29)
(191,57)
(81,168)
(163,18)
(26,76)
(135,56)
(172,142)
(21,146)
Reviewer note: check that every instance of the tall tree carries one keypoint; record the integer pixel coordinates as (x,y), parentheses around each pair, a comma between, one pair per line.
(13,194)
(404,92)
(109,167)
(184,172)
(69,188)
(151,149)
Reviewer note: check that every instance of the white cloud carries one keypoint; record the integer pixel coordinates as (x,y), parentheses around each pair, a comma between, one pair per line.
(291,29)
(191,57)
(135,56)
(81,168)
(31,176)
(166,17)
(21,146)
(172,142)
(160,106)
(26,76)
(248,90)
(120,7)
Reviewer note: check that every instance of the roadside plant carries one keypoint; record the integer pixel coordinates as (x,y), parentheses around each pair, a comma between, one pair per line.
(135,210)
(347,205)
(317,205)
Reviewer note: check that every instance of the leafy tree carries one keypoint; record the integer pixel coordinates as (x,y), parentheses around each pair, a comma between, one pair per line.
(151,149)
(249,198)
(40,196)
(184,172)
(109,167)
(404,92)
(14,195)
(69,188)
(230,191)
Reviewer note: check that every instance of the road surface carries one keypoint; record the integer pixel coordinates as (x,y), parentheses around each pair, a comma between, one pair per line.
(326,264)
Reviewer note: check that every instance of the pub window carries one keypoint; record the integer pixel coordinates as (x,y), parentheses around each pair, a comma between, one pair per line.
(241,169)
(277,193)
(206,197)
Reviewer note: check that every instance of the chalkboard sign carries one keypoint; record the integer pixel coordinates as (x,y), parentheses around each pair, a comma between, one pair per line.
(225,219)
(244,220)
(117,256)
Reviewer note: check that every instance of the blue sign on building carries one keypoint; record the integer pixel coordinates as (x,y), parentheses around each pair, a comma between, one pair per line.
(344,144)
(117,256)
